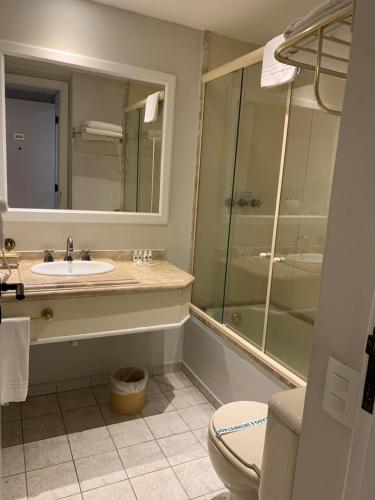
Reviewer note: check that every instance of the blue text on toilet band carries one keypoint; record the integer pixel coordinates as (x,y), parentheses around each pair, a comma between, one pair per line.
(241,427)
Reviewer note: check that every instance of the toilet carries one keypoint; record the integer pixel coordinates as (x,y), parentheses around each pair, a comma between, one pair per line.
(258,461)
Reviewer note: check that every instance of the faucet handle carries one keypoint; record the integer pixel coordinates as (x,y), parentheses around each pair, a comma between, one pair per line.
(85,254)
(48,255)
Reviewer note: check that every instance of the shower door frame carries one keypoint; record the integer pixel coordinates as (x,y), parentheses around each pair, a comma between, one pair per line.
(259,353)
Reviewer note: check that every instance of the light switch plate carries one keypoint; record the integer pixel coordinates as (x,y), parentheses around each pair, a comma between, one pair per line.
(341,392)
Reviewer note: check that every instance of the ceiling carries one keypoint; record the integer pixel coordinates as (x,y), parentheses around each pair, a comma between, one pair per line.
(248,20)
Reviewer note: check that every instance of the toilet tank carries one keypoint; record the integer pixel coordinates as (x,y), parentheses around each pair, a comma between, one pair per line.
(285,413)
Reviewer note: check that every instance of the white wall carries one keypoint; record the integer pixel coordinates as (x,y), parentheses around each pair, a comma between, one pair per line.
(96,179)
(222,49)
(50,362)
(348,277)
(99,31)
(224,368)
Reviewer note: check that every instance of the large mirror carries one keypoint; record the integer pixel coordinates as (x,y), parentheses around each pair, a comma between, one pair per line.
(82,140)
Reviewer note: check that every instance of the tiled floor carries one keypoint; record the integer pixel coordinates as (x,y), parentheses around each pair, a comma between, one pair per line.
(70,445)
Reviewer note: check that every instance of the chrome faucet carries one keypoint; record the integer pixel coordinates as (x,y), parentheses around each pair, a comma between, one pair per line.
(69,249)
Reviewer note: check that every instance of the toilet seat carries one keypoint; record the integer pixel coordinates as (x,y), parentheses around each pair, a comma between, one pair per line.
(244,448)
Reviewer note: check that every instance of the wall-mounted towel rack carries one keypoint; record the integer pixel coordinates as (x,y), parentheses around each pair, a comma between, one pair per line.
(16,287)
(326,40)
(45,315)
(114,142)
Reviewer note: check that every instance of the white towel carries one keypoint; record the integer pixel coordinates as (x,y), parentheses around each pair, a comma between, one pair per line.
(315,15)
(152,107)
(102,126)
(14,359)
(101,133)
(274,72)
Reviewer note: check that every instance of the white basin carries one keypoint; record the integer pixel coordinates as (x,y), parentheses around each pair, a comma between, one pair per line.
(306,258)
(74,268)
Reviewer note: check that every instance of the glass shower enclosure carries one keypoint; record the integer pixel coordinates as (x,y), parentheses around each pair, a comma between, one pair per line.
(267,159)
(142,162)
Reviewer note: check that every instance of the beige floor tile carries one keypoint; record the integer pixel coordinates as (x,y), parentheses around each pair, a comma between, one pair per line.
(117,491)
(129,433)
(11,412)
(47,426)
(152,387)
(166,424)
(111,417)
(11,434)
(100,470)
(201,435)
(58,481)
(102,394)
(73,384)
(183,398)
(182,448)
(216,495)
(37,406)
(13,460)
(80,398)
(83,419)
(143,458)
(53,451)
(91,442)
(160,485)
(14,487)
(174,380)
(155,404)
(198,477)
(197,417)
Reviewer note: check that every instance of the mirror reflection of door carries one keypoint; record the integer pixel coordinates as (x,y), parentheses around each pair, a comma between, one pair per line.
(31,151)
(72,142)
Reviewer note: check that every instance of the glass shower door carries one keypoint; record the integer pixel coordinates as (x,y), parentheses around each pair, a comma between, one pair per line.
(218,151)
(149,160)
(253,205)
(301,229)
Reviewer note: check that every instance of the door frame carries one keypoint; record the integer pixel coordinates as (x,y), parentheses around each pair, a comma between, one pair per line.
(332,458)
(64,143)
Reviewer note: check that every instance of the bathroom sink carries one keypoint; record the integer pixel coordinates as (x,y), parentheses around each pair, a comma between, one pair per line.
(75,268)
(306,258)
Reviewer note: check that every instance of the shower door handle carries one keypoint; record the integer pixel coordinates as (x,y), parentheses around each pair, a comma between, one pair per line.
(279,259)
(264,255)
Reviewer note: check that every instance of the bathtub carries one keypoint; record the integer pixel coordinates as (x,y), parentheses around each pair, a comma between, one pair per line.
(288,340)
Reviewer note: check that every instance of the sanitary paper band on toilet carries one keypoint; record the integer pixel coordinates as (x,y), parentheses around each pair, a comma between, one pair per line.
(241,427)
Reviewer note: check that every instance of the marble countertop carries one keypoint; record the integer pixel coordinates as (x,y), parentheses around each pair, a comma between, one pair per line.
(127,277)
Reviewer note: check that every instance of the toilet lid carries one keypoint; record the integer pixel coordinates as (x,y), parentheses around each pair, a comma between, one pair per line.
(246,444)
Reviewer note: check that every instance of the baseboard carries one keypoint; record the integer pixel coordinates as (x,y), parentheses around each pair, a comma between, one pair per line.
(201,386)
(93,380)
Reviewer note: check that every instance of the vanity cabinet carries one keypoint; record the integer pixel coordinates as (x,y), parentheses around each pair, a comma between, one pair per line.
(158,298)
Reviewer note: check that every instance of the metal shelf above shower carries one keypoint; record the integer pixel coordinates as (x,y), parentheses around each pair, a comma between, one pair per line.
(323,48)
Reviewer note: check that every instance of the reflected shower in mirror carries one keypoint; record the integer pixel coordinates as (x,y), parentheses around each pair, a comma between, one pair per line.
(81,140)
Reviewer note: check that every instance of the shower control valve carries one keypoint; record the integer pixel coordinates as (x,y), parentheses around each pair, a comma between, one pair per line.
(48,255)
(85,254)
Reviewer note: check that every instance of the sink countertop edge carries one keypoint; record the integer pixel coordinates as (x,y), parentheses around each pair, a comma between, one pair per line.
(48,290)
